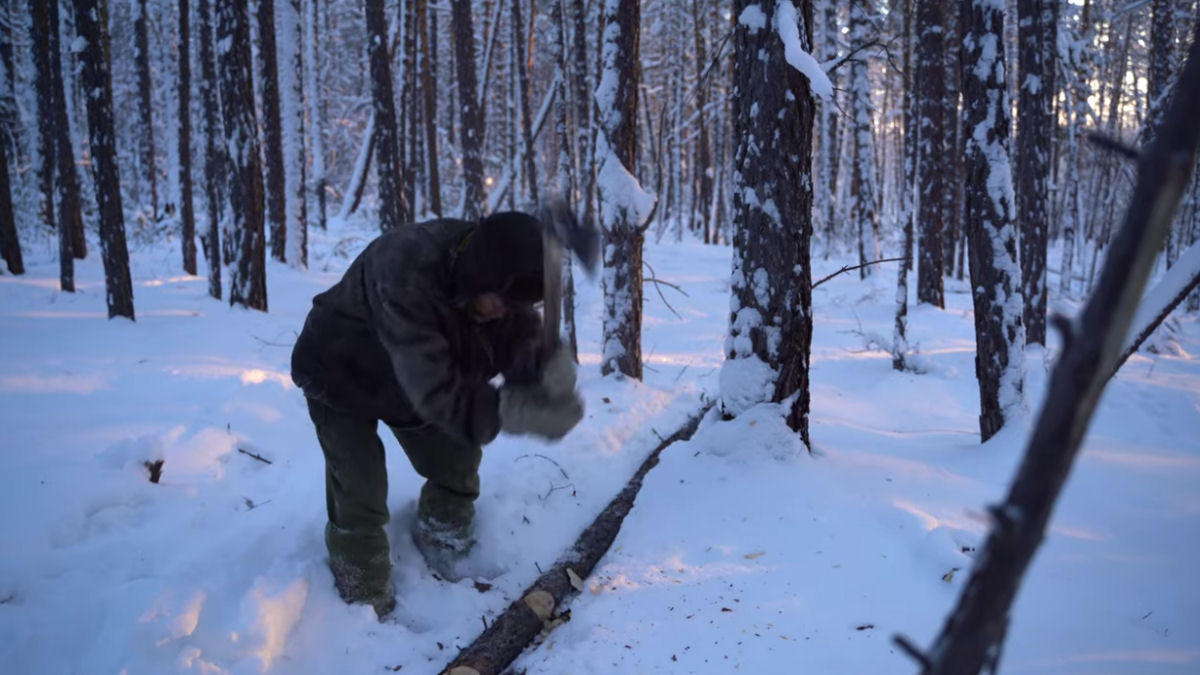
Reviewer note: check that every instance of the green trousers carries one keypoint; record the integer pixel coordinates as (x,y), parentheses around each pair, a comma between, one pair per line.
(356,489)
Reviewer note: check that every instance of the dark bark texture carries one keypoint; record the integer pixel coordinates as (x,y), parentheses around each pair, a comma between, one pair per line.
(470,114)
(248,287)
(393,212)
(429,96)
(10,244)
(931,164)
(42,27)
(992,248)
(276,187)
(141,36)
(91,23)
(1037,34)
(773,115)
(187,211)
(214,158)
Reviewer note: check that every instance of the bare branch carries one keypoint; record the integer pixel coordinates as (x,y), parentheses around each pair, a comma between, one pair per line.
(849,268)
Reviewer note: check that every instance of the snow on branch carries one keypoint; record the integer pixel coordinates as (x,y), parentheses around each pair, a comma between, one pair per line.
(786,25)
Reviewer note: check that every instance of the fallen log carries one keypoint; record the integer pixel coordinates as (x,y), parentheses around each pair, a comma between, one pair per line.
(540,606)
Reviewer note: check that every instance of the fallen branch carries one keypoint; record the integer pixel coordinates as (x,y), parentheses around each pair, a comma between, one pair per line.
(973,636)
(1109,143)
(851,268)
(539,605)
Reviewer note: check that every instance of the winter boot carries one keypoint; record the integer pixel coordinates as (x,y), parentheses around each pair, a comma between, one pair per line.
(361,577)
(443,545)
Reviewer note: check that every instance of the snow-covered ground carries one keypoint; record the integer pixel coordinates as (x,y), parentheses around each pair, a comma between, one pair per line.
(743,552)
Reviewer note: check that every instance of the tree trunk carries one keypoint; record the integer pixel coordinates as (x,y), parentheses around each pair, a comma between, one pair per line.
(470,115)
(393,212)
(565,166)
(291,109)
(91,24)
(10,244)
(276,186)
(519,41)
(704,165)
(584,152)
(862,179)
(41,29)
(141,33)
(953,239)
(770,332)
(1038,44)
(67,182)
(621,214)
(429,97)
(931,161)
(187,213)
(316,109)
(214,158)
(248,287)
(995,275)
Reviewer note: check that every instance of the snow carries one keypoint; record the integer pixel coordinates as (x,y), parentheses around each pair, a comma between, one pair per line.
(797,56)
(743,550)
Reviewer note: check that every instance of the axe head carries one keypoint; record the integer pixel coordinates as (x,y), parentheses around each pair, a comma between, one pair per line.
(563,230)
(562,233)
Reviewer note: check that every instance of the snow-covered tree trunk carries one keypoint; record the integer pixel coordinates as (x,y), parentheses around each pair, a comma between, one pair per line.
(931,160)
(1078,91)
(522,82)
(276,185)
(429,97)
(624,207)
(147,152)
(862,178)
(214,158)
(291,78)
(187,211)
(316,119)
(995,273)
(91,24)
(248,286)
(703,178)
(469,112)
(770,331)
(1038,31)
(393,212)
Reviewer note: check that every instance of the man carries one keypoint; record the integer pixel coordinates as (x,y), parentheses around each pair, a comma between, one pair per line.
(413,334)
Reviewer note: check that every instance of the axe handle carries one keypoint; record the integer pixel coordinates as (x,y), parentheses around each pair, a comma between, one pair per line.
(552,271)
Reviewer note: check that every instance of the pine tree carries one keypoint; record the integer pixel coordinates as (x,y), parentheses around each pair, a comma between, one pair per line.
(931,129)
(214,157)
(470,113)
(992,247)
(248,287)
(770,331)
(291,94)
(268,79)
(429,97)
(187,213)
(147,152)
(393,212)
(91,23)
(623,216)
(10,243)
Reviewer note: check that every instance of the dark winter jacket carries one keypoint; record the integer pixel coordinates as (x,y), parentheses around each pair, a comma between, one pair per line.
(391,341)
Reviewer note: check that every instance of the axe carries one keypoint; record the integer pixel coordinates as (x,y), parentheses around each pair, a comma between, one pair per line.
(562,232)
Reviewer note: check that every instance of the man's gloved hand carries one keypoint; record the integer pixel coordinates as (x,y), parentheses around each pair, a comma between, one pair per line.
(531,409)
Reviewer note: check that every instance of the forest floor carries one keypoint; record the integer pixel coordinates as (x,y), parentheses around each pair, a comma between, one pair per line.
(742,552)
